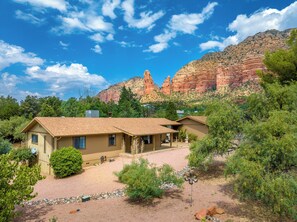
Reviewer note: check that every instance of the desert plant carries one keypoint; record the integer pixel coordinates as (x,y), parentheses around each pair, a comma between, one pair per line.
(143,180)
(182,135)
(16,185)
(192,137)
(5,146)
(66,161)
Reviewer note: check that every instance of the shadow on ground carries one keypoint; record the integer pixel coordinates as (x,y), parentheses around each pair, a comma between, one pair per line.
(31,213)
(172,194)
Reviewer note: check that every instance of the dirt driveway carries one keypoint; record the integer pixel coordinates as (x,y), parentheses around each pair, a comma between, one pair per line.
(97,179)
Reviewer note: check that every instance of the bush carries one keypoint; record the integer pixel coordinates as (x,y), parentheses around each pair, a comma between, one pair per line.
(22,154)
(16,184)
(66,161)
(182,135)
(192,137)
(144,180)
(5,146)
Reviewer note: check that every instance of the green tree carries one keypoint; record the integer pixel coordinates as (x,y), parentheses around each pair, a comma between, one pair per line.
(11,129)
(50,106)
(282,64)
(16,185)
(129,105)
(170,112)
(9,107)
(224,120)
(72,108)
(30,107)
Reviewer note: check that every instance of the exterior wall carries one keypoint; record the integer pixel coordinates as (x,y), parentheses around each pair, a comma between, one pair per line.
(153,146)
(96,146)
(196,128)
(43,157)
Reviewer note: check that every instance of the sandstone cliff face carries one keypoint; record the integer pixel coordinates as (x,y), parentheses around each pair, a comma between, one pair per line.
(234,66)
(113,93)
(166,86)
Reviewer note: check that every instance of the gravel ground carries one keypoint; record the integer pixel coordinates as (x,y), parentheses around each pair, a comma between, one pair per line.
(211,189)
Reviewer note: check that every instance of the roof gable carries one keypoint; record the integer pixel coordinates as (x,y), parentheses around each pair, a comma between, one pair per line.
(199,119)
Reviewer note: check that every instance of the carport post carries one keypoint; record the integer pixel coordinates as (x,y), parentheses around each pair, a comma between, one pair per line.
(171,139)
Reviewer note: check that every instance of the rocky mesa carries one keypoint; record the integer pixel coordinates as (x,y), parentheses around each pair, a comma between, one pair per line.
(232,67)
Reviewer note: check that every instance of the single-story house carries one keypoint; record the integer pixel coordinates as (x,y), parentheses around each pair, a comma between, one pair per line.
(196,125)
(96,137)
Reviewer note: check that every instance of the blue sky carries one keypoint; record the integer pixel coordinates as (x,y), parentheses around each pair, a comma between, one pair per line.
(73,47)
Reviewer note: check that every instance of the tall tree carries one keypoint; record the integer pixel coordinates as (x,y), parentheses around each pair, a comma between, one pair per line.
(129,105)
(9,107)
(170,112)
(282,64)
(30,106)
(51,106)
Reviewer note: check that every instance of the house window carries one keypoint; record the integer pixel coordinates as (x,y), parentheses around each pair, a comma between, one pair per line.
(112,140)
(79,142)
(34,138)
(44,145)
(147,139)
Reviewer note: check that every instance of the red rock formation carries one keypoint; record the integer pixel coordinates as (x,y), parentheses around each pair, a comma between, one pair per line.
(113,92)
(166,86)
(234,66)
(149,85)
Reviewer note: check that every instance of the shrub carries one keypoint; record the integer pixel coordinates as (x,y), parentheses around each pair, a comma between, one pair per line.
(22,154)
(16,184)
(143,180)
(5,146)
(66,161)
(192,137)
(182,135)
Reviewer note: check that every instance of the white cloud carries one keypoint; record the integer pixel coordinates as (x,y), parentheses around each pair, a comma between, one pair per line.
(64,45)
(181,24)
(28,17)
(61,78)
(86,22)
(158,47)
(147,19)
(124,44)
(109,37)
(97,49)
(11,54)
(260,21)
(188,23)
(55,4)
(7,84)
(97,37)
(109,6)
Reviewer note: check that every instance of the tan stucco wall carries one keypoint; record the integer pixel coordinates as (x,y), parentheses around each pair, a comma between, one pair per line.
(96,146)
(199,129)
(43,158)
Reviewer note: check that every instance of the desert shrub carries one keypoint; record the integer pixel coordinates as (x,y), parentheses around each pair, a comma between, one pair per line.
(143,180)
(182,135)
(66,161)
(22,154)
(192,137)
(16,184)
(5,146)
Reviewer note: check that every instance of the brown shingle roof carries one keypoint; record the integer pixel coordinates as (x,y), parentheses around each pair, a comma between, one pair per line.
(70,126)
(199,119)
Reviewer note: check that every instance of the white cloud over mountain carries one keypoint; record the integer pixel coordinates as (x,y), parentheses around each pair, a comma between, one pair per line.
(181,24)
(259,21)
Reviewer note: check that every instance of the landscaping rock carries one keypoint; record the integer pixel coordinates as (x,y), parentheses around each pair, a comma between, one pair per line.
(201,214)
(220,211)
